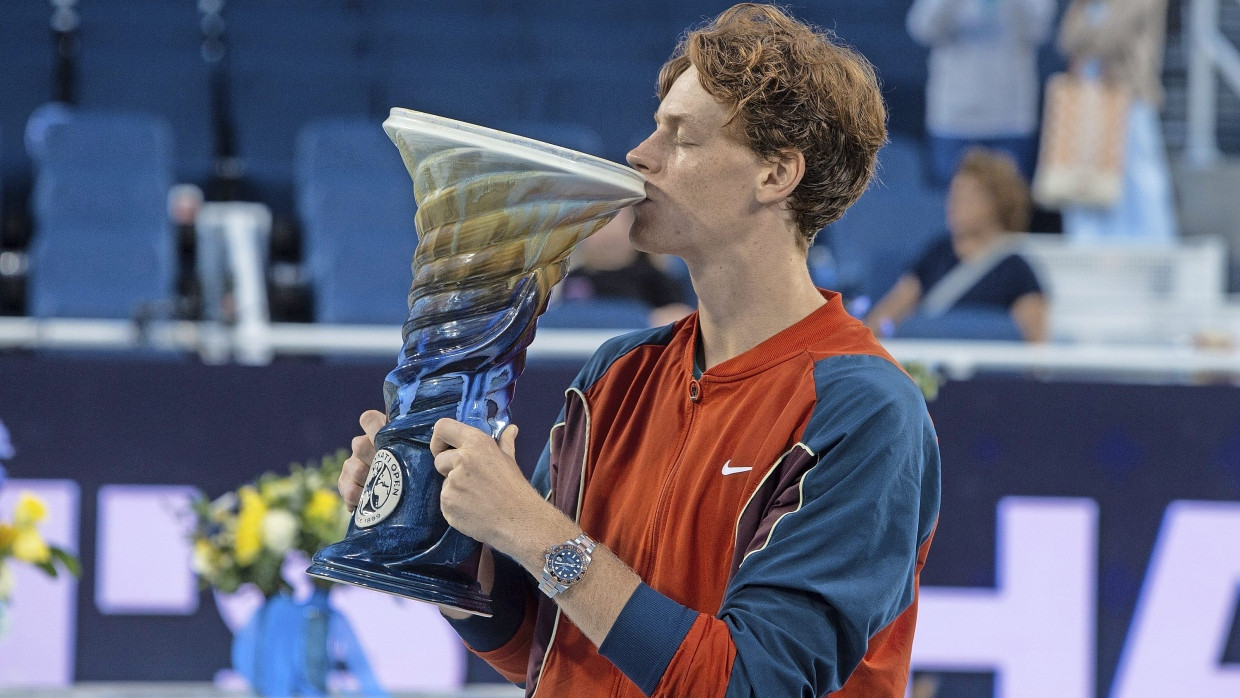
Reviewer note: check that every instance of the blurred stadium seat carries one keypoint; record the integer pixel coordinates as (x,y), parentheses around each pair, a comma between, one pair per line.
(573,136)
(597,314)
(25,80)
(885,232)
(272,99)
(963,323)
(103,246)
(356,205)
(137,55)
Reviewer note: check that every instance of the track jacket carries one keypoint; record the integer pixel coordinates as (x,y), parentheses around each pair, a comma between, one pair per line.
(779,508)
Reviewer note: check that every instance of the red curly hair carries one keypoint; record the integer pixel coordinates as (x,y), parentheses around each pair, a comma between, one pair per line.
(791,86)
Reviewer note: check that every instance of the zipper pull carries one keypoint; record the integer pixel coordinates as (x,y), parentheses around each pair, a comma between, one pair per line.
(694,391)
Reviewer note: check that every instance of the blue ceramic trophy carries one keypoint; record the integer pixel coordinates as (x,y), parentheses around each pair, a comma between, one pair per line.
(497,218)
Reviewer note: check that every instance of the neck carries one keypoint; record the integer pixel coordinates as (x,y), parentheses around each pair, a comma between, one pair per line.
(740,305)
(983,247)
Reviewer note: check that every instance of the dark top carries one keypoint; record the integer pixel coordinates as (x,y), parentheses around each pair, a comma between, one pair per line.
(641,281)
(999,288)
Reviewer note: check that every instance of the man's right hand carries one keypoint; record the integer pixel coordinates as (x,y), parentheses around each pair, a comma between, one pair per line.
(357,467)
(353,479)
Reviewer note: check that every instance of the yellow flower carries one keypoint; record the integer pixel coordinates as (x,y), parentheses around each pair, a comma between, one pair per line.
(249,525)
(29,547)
(8,534)
(323,507)
(30,510)
(249,543)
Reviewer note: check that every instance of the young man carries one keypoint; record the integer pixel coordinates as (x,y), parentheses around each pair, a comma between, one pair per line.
(739,503)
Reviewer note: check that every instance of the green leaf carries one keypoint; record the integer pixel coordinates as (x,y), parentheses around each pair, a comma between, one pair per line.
(48,568)
(69,561)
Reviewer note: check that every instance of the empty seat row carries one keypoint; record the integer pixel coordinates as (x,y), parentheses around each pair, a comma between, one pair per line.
(284,66)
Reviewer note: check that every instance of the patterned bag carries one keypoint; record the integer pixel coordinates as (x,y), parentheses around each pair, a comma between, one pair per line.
(1084,127)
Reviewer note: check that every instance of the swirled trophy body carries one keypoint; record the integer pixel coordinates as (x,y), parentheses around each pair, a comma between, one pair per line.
(497,218)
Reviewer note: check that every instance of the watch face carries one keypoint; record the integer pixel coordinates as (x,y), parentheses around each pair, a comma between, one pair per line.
(566,563)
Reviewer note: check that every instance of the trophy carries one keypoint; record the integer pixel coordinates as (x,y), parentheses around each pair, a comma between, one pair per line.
(497,217)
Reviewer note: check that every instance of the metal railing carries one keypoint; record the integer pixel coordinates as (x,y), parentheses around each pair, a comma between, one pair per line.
(1210,52)
(232,240)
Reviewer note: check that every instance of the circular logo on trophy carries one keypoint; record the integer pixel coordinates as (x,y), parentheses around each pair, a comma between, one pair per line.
(382,491)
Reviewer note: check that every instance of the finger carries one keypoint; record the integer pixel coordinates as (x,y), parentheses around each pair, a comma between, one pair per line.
(351,494)
(372,421)
(508,440)
(352,479)
(446,461)
(363,448)
(449,433)
(355,471)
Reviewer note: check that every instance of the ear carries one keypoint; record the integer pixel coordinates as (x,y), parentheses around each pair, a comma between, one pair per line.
(780,176)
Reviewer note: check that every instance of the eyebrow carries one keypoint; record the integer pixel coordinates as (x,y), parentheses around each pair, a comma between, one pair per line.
(676,118)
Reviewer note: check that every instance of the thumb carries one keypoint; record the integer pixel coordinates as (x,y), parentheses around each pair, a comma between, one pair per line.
(508,440)
(372,421)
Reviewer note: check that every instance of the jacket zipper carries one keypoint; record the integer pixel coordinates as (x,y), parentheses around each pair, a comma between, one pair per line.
(660,511)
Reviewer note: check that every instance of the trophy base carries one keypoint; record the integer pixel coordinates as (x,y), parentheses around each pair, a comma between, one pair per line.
(467,598)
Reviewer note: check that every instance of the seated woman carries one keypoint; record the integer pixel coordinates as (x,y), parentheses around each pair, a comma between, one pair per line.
(607,266)
(974,274)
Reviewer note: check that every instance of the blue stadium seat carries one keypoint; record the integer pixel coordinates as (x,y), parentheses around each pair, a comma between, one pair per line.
(484,93)
(136,54)
(25,79)
(597,314)
(457,32)
(616,102)
(356,205)
(885,232)
(368,283)
(328,27)
(347,214)
(962,323)
(103,245)
(573,136)
(127,206)
(89,273)
(126,142)
(346,148)
(358,243)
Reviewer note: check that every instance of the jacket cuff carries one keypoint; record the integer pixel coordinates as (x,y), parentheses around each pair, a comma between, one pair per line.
(646,635)
(508,601)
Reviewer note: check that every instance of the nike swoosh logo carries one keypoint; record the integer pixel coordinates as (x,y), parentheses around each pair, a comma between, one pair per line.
(729,470)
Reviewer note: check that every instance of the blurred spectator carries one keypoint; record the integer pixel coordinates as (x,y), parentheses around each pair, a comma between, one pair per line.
(973,283)
(184,204)
(983,85)
(605,265)
(1122,42)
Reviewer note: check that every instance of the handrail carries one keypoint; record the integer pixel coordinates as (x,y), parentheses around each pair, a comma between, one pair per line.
(958,360)
(1209,51)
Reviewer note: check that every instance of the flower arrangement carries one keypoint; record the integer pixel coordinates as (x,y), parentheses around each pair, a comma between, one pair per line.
(20,540)
(243,536)
(928,380)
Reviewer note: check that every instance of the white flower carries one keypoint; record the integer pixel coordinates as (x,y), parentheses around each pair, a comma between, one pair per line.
(200,562)
(6,582)
(279,530)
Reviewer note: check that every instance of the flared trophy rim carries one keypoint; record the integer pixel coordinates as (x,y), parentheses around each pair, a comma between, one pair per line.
(521,147)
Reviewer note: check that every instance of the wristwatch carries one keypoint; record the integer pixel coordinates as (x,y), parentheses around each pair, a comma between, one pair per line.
(566,565)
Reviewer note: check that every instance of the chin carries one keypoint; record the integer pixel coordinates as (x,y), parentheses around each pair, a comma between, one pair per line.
(639,233)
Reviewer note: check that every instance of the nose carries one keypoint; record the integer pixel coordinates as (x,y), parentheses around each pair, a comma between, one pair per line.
(641,157)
